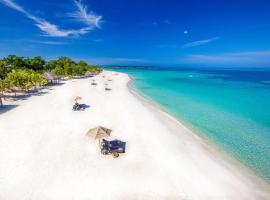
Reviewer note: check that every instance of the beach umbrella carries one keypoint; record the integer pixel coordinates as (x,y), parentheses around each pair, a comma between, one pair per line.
(99,132)
(93,82)
(77,98)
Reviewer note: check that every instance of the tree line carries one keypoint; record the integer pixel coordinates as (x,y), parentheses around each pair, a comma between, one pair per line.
(20,73)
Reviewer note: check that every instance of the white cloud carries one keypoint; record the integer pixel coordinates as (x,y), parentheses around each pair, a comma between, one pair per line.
(49,42)
(48,28)
(13,5)
(240,58)
(97,40)
(84,16)
(199,42)
(53,30)
(46,42)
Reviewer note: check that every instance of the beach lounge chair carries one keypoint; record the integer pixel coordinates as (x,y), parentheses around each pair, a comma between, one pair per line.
(114,147)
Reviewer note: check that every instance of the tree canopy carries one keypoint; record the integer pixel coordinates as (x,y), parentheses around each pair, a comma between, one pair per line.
(62,66)
(27,73)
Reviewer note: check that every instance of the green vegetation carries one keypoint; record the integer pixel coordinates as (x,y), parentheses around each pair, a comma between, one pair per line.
(64,66)
(24,79)
(24,74)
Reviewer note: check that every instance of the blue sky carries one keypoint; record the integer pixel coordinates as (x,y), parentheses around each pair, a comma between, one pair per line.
(139,32)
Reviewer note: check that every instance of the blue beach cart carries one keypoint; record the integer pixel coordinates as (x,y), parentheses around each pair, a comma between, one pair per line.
(114,147)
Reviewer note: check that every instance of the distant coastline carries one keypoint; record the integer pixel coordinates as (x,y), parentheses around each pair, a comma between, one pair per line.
(186,68)
(112,67)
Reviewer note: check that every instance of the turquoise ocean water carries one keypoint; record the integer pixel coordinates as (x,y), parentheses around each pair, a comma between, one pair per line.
(228,107)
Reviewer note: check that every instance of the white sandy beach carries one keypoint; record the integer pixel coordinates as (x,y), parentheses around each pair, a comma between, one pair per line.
(45,155)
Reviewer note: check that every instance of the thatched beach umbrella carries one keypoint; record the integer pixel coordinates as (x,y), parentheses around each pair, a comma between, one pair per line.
(99,132)
(77,98)
(51,77)
(93,82)
(89,74)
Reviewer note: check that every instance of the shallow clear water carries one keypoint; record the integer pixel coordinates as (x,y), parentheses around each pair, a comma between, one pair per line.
(230,108)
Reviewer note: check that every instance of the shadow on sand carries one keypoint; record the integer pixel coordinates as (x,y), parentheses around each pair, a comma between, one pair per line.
(85,106)
(6,108)
(54,84)
(24,96)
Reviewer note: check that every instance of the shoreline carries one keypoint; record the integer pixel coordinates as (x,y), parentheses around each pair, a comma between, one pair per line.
(209,145)
(47,150)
